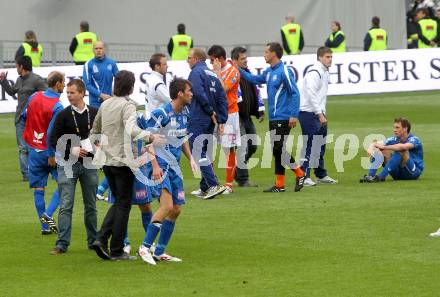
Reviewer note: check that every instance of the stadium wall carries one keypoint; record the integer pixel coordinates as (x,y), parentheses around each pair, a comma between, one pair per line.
(225,22)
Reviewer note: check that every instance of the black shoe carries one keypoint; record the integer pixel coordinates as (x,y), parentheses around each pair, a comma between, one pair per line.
(46,232)
(299,184)
(247,184)
(57,251)
(274,189)
(123,257)
(45,219)
(370,179)
(101,250)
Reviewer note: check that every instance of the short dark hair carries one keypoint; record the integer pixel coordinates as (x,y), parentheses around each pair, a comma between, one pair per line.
(25,62)
(276,47)
(217,51)
(424,10)
(236,51)
(84,25)
(178,85)
(155,60)
(322,51)
(80,87)
(181,28)
(124,83)
(375,21)
(404,122)
(54,77)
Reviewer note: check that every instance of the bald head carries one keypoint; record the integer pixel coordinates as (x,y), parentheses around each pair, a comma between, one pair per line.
(99,49)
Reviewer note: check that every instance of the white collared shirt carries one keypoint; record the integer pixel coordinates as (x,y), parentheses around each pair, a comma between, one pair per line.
(314,89)
(156,91)
(78,110)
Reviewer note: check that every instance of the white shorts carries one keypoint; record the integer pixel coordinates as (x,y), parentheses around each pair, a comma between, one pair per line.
(231,136)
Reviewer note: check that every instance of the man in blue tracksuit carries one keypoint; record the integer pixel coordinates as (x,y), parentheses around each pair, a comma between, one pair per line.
(208,109)
(98,77)
(283,100)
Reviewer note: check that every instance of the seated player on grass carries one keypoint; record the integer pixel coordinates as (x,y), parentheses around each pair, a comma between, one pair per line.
(402,155)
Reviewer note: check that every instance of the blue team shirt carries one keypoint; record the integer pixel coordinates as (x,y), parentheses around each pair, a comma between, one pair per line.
(98,77)
(416,153)
(173,126)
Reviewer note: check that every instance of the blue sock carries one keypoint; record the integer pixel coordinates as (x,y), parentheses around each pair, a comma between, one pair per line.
(376,162)
(103,186)
(146,219)
(165,234)
(40,206)
(151,234)
(392,165)
(54,202)
(126,240)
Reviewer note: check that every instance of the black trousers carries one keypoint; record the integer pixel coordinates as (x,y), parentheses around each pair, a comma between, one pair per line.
(279,130)
(120,180)
(245,151)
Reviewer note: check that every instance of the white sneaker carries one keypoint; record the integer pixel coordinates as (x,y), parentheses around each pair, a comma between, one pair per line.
(227,191)
(101,198)
(326,180)
(166,258)
(145,255)
(435,234)
(127,249)
(153,248)
(213,191)
(308,182)
(198,193)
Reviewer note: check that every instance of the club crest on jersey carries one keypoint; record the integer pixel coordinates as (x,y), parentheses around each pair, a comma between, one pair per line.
(95,69)
(274,77)
(173,122)
(109,67)
(38,137)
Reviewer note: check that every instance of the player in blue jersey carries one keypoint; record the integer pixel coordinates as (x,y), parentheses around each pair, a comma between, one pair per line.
(40,113)
(171,121)
(401,155)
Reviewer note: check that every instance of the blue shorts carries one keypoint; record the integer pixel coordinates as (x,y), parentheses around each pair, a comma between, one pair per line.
(39,170)
(173,183)
(409,172)
(141,192)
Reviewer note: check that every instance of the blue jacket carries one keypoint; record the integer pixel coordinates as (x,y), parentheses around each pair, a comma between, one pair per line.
(98,77)
(208,94)
(282,91)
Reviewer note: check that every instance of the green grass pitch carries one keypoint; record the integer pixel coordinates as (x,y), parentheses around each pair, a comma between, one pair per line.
(348,239)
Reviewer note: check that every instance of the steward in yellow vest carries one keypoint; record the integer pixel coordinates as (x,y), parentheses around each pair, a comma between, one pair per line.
(427,30)
(376,38)
(336,41)
(180,44)
(31,48)
(292,37)
(81,46)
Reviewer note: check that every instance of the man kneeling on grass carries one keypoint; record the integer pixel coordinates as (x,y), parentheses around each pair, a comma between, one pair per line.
(400,155)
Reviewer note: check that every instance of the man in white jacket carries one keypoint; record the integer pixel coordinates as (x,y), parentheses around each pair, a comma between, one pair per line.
(157,83)
(313,119)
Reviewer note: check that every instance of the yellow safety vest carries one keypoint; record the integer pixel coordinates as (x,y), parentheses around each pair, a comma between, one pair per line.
(378,39)
(429,30)
(84,50)
(181,46)
(342,47)
(292,33)
(33,53)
